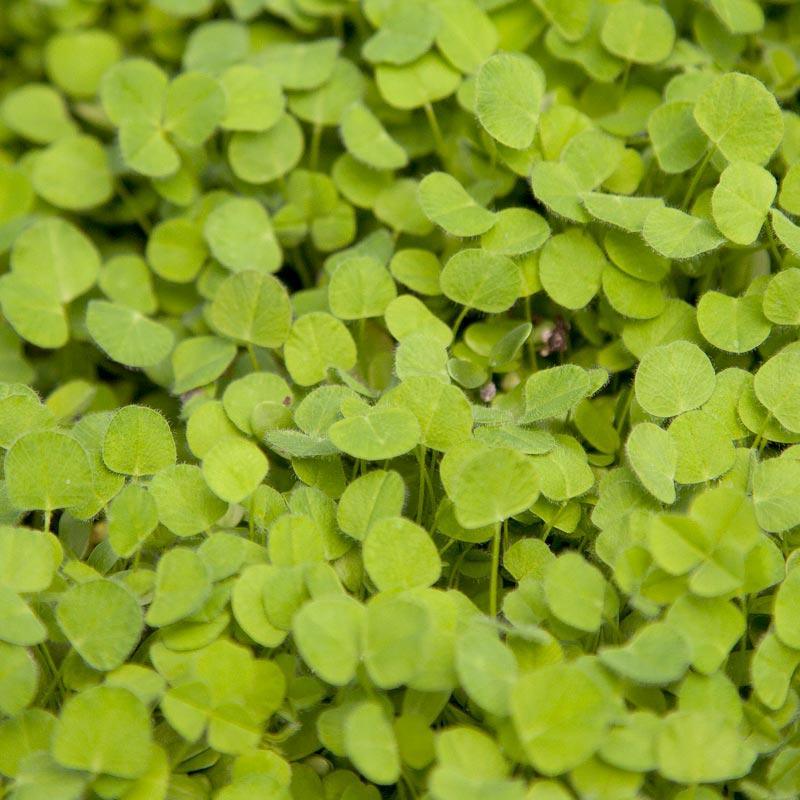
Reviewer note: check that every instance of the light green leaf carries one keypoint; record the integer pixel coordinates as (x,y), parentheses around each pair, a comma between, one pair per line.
(56,256)
(701,747)
(656,654)
(182,585)
(33,311)
(19,678)
(253,308)
(420,83)
(254,100)
(784,617)
(653,457)
(704,448)
(127,336)
(733,324)
(400,555)
(516,231)
(133,89)
(775,386)
(772,668)
(481,280)
(47,470)
(627,213)
(407,31)
(37,112)
(18,624)
(185,504)
(575,592)
(442,411)
(445,201)
(104,730)
(484,496)
(466,35)
(328,634)
(193,107)
(571,267)
(370,743)
(486,668)
(317,343)
(300,65)
(509,89)
(379,434)
(368,141)
(739,16)
(787,232)
(240,235)
(200,360)
(73,174)
(776,494)
(138,441)
(132,517)
(267,155)
(372,497)
(741,201)
(102,621)
(638,32)
(710,626)
(673,378)
(28,559)
(560,714)
(555,391)
(361,287)
(677,140)
(233,468)
(741,117)
(781,300)
(674,234)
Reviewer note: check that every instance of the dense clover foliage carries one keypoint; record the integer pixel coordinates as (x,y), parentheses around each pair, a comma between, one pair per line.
(400,399)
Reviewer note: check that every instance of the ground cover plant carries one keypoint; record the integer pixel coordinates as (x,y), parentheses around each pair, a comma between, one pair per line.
(400,399)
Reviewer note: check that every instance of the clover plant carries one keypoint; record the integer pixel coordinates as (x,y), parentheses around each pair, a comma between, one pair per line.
(399,399)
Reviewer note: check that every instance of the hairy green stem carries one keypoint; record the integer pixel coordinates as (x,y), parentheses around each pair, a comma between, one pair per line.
(696,178)
(494,577)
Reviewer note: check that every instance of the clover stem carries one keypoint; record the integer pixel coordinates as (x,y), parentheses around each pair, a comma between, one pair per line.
(132,206)
(624,409)
(253,358)
(447,546)
(421,483)
(313,153)
(251,521)
(549,526)
(453,582)
(697,177)
(530,344)
(54,683)
(435,129)
(428,480)
(495,573)
(406,781)
(51,666)
(505,535)
(459,320)
(626,75)
(760,442)
(773,245)
(302,269)
(48,515)
(362,361)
